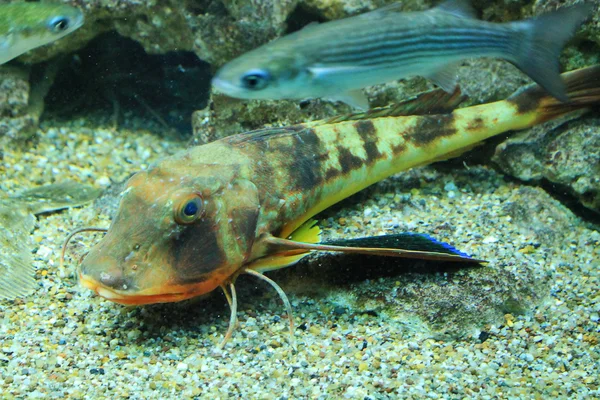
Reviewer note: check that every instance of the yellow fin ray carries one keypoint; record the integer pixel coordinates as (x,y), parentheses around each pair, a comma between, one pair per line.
(308,232)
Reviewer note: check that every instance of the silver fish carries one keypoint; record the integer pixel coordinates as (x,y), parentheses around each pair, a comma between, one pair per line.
(336,59)
(25,26)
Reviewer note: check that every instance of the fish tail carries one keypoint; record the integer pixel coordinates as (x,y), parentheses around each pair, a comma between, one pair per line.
(582,88)
(540,42)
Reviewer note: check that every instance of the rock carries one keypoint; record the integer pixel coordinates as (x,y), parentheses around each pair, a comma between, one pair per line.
(15,119)
(226,116)
(22,93)
(565,153)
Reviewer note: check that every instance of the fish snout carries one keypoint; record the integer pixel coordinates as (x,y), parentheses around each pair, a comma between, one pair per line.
(103,274)
(222,85)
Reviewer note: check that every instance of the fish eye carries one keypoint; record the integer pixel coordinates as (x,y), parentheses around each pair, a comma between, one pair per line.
(59,24)
(189,209)
(256,79)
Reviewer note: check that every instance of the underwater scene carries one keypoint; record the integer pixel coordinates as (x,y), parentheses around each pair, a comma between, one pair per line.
(299,199)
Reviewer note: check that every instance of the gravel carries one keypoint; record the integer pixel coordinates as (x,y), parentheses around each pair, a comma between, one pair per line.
(64,342)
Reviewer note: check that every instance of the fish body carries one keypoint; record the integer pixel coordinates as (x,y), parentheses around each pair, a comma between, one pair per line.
(17,219)
(336,59)
(197,219)
(25,26)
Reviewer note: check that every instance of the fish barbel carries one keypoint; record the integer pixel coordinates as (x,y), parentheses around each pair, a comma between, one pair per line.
(243,204)
(336,59)
(25,26)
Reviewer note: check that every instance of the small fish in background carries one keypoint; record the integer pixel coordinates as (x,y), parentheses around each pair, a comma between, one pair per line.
(17,220)
(336,59)
(25,26)
(244,204)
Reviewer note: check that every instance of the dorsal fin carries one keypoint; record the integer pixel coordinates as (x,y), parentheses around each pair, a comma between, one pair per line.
(433,102)
(310,26)
(458,8)
(382,11)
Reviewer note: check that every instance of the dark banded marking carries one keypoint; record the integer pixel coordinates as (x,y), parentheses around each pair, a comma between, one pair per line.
(348,161)
(368,133)
(477,124)
(307,156)
(332,173)
(430,129)
(195,260)
(528,100)
(399,149)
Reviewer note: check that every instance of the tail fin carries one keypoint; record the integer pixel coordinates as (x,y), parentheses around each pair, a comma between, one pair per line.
(582,87)
(542,42)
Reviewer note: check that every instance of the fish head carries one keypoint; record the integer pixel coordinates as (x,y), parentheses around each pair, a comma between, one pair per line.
(268,73)
(25,26)
(45,22)
(174,237)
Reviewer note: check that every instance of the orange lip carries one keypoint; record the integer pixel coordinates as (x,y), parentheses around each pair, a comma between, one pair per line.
(140,298)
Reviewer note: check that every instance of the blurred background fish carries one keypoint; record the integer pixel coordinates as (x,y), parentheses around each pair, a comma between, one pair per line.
(25,26)
(336,59)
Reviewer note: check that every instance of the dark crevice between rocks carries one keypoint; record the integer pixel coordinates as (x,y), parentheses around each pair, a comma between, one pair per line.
(302,16)
(202,7)
(114,81)
(563,194)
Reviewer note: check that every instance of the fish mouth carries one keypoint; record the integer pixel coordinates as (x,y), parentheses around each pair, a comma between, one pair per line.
(79,22)
(167,294)
(224,86)
(130,299)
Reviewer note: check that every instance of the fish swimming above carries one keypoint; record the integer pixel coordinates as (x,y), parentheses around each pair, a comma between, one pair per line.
(25,26)
(336,59)
(196,220)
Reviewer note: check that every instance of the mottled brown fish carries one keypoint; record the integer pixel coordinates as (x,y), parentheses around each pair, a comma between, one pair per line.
(196,220)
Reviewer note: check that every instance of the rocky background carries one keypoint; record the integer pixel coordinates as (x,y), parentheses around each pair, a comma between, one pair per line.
(154,59)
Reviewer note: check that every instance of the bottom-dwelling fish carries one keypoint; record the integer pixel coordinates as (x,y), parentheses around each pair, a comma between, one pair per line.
(196,220)
(17,219)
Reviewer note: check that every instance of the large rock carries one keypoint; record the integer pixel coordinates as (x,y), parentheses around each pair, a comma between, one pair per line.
(16,118)
(565,153)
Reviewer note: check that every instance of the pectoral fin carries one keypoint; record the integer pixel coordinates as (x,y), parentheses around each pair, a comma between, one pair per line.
(406,245)
(446,77)
(458,8)
(354,98)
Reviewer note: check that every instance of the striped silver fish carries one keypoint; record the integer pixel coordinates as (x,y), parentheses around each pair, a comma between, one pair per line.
(336,59)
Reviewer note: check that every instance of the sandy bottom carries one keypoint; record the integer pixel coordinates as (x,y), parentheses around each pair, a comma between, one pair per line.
(64,342)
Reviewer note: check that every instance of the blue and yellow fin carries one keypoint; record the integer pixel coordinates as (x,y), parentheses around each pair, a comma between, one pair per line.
(406,245)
